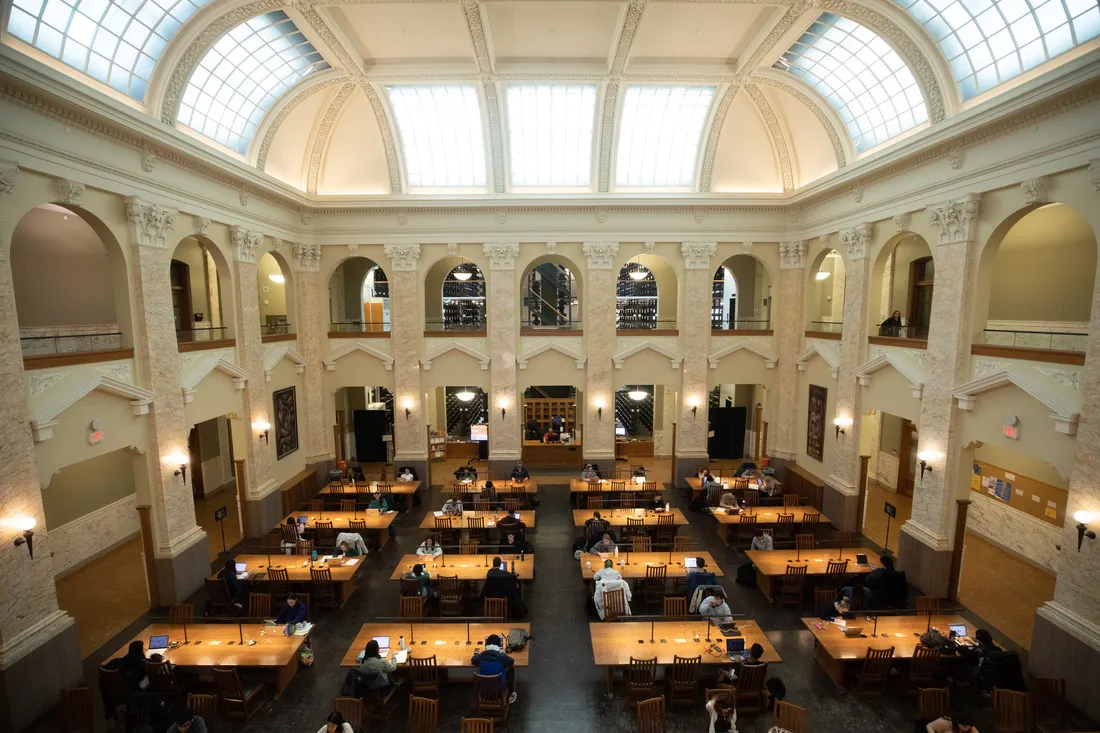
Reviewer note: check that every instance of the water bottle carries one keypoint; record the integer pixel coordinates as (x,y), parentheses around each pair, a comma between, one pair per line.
(401,642)
(513,567)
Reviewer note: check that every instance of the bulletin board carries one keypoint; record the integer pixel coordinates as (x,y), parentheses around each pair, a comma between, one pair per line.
(1024,494)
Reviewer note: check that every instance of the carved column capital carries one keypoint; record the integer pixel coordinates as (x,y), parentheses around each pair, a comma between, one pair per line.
(600,254)
(246,243)
(956,220)
(403,256)
(697,254)
(149,222)
(857,240)
(502,255)
(1035,190)
(902,222)
(792,255)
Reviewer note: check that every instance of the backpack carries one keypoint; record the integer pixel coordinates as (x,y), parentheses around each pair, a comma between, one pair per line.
(517,640)
(934,639)
(746,574)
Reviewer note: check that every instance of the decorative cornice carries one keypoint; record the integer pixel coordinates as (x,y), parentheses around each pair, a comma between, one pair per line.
(502,255)
(472,10)
(402,256)
(69,191)
(1035,190)
(792,255)
(794,12)
(779,141)
(9,176)
(600,254)
(320,142)
(697,254)
(393,163)
(149,222)
(607,134)
(246,243)
(626,35)
(956,220)
(857,240)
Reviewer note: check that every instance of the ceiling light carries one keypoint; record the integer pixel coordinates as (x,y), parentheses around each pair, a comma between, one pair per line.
(639,274)
(465,395)
(822,275)
(463,275)
(637,395)
(277,278)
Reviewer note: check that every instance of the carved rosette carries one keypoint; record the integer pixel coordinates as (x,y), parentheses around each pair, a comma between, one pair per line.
(697,254)
(201,224)
(502,255)
(600,254)
(307,257)
(149,223)
(956,220)
(857,240)
(353,250)
(403,256)
(901,222)
(792,255)
(70,192)
(246,243)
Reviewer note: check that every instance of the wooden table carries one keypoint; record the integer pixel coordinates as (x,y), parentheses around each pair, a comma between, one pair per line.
(272,653)
(446,641)
(530,486)
(466,567)
(342,575)
(764,515)
(618,517)
(376,522)
(580,486)
(635,563)
(526,516)
(696,486)
(772,564)
(835,651)
(615,642)
(365,489)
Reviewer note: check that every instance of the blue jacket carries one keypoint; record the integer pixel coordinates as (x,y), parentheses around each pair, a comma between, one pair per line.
(381,503)
(288,615)
(492,661)
(696,578)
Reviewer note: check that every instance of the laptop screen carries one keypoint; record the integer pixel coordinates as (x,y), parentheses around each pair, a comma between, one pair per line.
(861,558)
(158,642)
(689,562)
(517,515)
(957,629)
(303,519)
(383,643)
(735,646)
(241,567)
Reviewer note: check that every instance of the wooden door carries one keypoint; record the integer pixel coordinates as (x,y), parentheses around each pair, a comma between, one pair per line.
(194,449)
(180,275)
(922,272)
(907,458)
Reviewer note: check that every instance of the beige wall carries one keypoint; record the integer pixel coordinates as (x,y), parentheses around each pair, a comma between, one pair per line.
(890,392)
(1044,268)
(216,459)
(273,302)
(890,437)
(215,395)
(549,368)
(741,367)
(822,305)
(284,376)
(82,488)
(817,372)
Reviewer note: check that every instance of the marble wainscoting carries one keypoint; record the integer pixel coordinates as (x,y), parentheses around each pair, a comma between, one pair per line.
(83,539)
(69,339)
(1028,537)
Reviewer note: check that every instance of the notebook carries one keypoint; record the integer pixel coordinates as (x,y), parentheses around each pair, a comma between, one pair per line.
(158,644)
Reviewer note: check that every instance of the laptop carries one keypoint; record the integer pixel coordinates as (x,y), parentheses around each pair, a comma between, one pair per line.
(736,648)
(303,519)
(853,631)
(861,558)
(158,644)
(517,515)
(383,644)
(957,630)
(689,562)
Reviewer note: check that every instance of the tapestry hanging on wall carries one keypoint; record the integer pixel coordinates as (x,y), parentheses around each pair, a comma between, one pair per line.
(815,423)
(286,422)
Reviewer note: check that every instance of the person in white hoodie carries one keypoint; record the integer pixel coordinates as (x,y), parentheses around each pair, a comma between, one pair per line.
(607,580)
(607,572)
(723,714)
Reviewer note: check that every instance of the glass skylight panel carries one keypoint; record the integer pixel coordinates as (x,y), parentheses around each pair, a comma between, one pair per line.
(243,74)
(441,134)
(116,42)
(659,133)
(864,79)
(988,42)
(550,133)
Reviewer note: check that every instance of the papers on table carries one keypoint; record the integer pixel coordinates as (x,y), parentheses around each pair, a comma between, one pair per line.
(350,562)
(438,514)
(400,656)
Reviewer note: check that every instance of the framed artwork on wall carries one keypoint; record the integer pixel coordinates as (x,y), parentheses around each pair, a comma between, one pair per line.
(286,422)
(815,423)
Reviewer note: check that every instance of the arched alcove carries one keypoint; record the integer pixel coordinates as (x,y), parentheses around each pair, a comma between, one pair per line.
(359,297)
(902,282)
(550,294)
(825,293)
(741,295)
(645,294)
(454,296)
(201,291)
(274,287)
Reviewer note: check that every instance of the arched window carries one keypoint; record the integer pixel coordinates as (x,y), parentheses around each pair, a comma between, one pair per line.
(636,298)
(550,297)
(464,299)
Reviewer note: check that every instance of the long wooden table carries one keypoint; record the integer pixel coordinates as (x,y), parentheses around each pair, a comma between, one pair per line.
(447,642)
(696,485)
(377,522)
(466,567)
(298,570)
(632,565)
(580,486)
(364,489)
(527,516)
(836,652)
(220,647)
(771,565)
(618,517)
(530,486)
(615,642)
(764,515)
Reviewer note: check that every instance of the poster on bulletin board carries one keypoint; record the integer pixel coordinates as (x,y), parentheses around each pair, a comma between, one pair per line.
(1048,503)
(1003,490)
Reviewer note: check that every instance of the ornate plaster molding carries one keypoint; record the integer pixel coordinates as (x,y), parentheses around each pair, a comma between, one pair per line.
(779,140)
(1094,173)
(576,356)
(792,255)
(148,159)
(817,104)
(769,358)
(956,157)
(324,131)
(764,50)
(956,220)
(307,257)
(149,223)
(697,254)
(45,414)
(361,347)
(1035,190)
(600,254)
(303,91)
(402,256)
(393,162)
(901,222)
(9,176)
(607,134)
(718,119)
(827,353)
(70,191)
(201,225)
(496,135)
(674,359)
(502,255)
(246,243)
(857,240)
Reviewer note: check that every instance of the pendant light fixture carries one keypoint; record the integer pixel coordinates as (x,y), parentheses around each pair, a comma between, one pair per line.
(466,395)
(637,394)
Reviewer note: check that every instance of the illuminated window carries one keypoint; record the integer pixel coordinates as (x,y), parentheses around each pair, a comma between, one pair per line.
(987,42)
(116,42)
(440,129)
(550,133)
(243,74)
(870,86)
(659,133)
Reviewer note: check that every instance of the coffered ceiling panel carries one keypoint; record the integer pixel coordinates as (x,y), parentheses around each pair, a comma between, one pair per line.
(405,32)
(696,32)
(553,30)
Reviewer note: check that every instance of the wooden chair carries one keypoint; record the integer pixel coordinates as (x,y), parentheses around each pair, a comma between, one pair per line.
(935,702)
(748,691)
(804,541)
(451,595)
(477,725)
(491,694)
(324,536)
(1048,697)
(236,701)
(928,605)
(423,715)
(810,521)
(322,588)
(791,717)
(113,688)
(746,528)
(640,678)
(834,574)
(654,588)
(925,667)
(76,710)
(614,604)
(618,486)
(651,716)
(304,547)
(792,585)
(666,529)
(682,679)
(675,606)
(513,505)
(259,605)
(784,526)
(317,505)
(875,673)
(290,534)
(412,607)
(823,601)
(752,498)
(162,679)
(383,488)
(182,613)
(635,526)
(278,583)
(681,543)
(1010,711)
(352,710)
(496,608)
(381,704)
(220,602)
(426,678)
(593,501)
(206,707)
(410,587)
(843,537)
(791,500)
(357,525)
(476,526)
(467,547)
(641,544)
(347,505)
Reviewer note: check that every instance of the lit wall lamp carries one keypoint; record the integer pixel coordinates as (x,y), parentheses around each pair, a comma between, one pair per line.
(926,457)
(1081,517)
(26,526)
(503,408)
(694,402)
(263,428)
(840,423)
(180,459)
(599,409)
(407,404)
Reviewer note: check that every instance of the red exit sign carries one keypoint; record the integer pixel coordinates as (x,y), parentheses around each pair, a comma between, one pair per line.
(94,437)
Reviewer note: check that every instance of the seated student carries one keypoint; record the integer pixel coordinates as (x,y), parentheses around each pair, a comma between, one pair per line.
(465,474)
(379,502)
(588,472)
(705,477)
(500,583)
(452,507)
(883,583)
(187,722)
(533,431)
(729,502)
(953,724)
(595,527)
(714,492)
(492,661)
(238,589)
(376,671)
(755,657)
(298,529)
(291,614)
(429,547)
(551,436)
(655,504)
(715,605)
(836,609)
(744,468)
(768,484)
(607,572)
(510,524)
(488,493)
(605,546)
(419,573)
(761,540)
(857,590)
(519,473)
(406,474)
(513,544)
(723,713)
(346,549)
(336,724)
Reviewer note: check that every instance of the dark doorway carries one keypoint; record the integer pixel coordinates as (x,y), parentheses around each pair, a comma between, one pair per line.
(728,426)
(370,426)
(194,449)
(907,458)
(922,273)
(181,295)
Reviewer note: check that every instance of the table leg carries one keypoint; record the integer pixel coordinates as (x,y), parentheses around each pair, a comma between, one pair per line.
(723,533)
(764,583)
(833,667)
(283,676)
(610,674)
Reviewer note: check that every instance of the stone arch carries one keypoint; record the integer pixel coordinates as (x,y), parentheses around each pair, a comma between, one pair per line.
(891,280)
(576,312)
(215,295)
(740,288)
(345,284)
(440,271)
(666,288)
(824,301)
(269,312)
(274,117)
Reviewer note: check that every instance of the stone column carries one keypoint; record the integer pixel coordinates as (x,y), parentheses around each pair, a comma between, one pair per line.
(504,431)
(181,553)
(841,496)
(406,334)
(312,306)
(694,322)
(39,651)
(600,342)
(924,545)
(788,341)
(262,502)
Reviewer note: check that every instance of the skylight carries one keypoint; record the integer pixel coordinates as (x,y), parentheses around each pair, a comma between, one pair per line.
(659,133)
(440,129)
(116,42)
(987,42)
(243,74)
(870,86)
(550,133)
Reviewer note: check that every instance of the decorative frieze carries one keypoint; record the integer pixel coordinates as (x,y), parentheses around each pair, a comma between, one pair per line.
(307,257)
(202,225)
(403,256)
(792,255)
(956,220)
(502,255)
(857,240)
(246,243)
(149,222)
(600,254)
(697,254)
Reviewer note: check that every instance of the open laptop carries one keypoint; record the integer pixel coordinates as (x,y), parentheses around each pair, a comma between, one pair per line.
(689,562)
(303,519)
(736,648)
(861,558)
(158,644)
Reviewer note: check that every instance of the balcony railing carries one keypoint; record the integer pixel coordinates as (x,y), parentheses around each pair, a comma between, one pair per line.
(464,326)
(196,335)
(357,327)
(658,324)
(911,332)
(740,324)
(1048,340)
(825,326)
(274,329)
(72,344)
(543,326)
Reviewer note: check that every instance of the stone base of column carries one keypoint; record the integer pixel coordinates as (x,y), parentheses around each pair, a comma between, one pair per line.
(30,682)
(925,558)
(840,504)
(605,460)
(1066,645)
(684,466)
(183,573)
(263,514)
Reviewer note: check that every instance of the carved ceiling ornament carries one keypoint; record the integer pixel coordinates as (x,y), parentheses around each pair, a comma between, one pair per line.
(246,243)
(452,249)
(955,157)
(403,256)
(697,254)
(792,255)
(600,254)
(551,248)
(746,247)
(857,240)
(502,255)
(148,160)
(324,130)
(1035,190)
(245,196)
(306,216)
(70,191)
(9,176)
(956,220)
(496,135)
(353,250)
(307,257)
(607,134)
(779,140)
(149,223)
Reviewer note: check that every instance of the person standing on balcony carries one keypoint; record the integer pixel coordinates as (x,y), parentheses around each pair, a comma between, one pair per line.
(891,326)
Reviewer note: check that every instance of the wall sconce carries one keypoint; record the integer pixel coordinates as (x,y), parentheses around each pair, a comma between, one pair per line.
(599,409)
(407,404)
(926,457)
(1081,517)
(264,429)
(26,526)
(840,423)
(694,402)
(180,459)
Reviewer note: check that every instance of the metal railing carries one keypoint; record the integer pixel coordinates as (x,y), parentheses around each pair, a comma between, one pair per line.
(192,335)
(274,329)
(70,344)
(912,331)
(1048,340)
(357,327)
(629,324)
(740,324)
(565,325)
(442,324)
(825,326)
